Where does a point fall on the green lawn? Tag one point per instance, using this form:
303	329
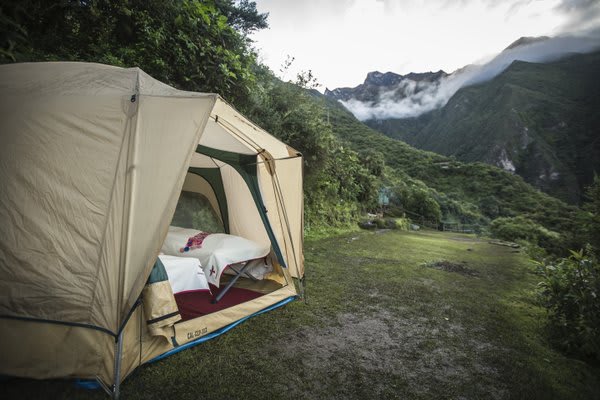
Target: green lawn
380	323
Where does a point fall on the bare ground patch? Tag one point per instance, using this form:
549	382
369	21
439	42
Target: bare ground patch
382	355
448	266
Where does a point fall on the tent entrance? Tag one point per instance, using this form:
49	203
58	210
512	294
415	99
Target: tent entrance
197	304
203	211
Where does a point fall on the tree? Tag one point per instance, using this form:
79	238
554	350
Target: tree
190	44
243	16
373	160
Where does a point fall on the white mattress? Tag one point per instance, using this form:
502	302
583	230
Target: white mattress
218	251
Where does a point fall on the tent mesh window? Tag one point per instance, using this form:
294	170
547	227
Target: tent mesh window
194	211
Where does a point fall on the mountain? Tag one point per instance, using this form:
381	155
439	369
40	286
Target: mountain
378	84
525	40
465	191
389	95
540	121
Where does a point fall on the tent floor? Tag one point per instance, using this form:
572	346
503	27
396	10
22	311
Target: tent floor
196	304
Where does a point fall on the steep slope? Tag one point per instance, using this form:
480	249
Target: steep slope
488	189
541	121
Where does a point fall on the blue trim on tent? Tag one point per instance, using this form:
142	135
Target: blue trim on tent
91	384
87	384
221	331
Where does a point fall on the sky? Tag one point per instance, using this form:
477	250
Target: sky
342	40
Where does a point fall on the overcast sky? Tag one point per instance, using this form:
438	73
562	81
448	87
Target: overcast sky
342	40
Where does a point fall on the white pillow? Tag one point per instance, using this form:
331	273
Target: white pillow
176	240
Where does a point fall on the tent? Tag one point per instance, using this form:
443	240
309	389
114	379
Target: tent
93	160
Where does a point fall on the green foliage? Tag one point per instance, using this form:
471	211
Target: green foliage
420	201
242	15
417	200
189	44
591	218
571	291
521	228
12	35
386	223
403	224
373	161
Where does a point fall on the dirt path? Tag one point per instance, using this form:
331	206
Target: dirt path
391	354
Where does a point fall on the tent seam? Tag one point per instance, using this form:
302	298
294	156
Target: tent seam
245	120
127	200
111	199
231	128
64	323
287	222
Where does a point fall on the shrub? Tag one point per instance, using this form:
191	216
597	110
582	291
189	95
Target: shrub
521	228
415	198
571	291
403	224
385	223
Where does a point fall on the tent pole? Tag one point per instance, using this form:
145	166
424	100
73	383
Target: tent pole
223	291
118	355
104	386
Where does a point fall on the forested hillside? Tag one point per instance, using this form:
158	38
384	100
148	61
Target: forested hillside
467	192
540	121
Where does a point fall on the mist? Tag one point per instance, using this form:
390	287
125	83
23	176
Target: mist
410	99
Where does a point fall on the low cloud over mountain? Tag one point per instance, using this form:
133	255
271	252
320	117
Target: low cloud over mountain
389	95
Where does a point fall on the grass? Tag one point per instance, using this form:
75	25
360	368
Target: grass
380	323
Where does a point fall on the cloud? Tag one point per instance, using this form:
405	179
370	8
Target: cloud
582	14
341	40
408	99
411	99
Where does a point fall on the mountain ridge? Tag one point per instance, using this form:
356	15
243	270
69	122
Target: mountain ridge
370	89
535	119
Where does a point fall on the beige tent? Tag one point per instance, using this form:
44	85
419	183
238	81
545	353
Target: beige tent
93	159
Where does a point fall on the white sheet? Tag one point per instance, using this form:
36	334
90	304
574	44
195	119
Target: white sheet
185	274
218	251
